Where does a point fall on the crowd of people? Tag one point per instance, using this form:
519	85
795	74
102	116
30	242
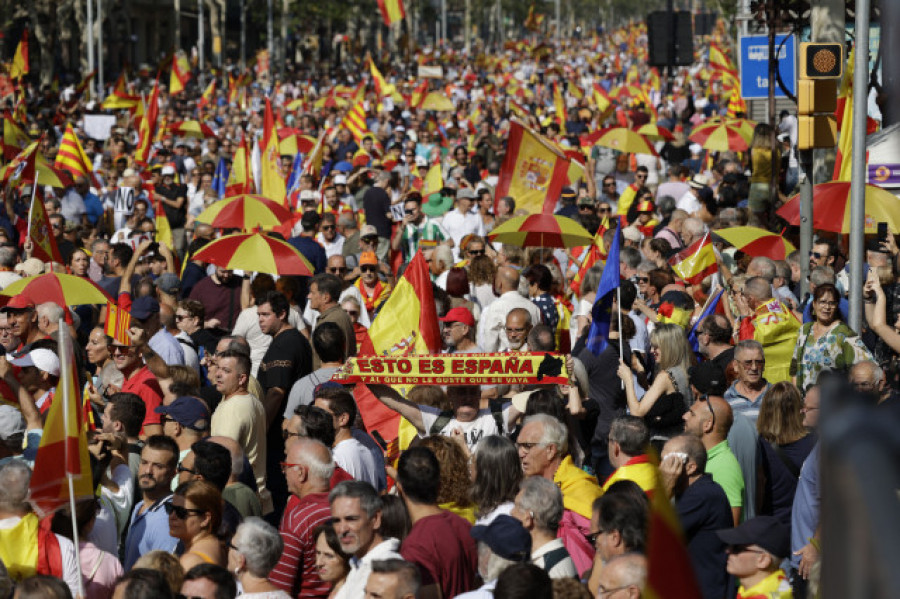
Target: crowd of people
225	460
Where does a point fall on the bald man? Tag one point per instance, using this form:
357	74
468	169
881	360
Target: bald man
492	327
709	419
624	575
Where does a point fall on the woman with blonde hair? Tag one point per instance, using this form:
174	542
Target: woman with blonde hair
669	395
165	563
453	493
784	444
195	514
765	159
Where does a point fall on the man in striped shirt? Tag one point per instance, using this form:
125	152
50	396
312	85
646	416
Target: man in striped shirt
417	231
307	468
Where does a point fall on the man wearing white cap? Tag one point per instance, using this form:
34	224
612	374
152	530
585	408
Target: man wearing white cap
38	376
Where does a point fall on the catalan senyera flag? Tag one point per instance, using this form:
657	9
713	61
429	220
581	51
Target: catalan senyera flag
391	11
670	574
533	171
14	139
271	181
118	321
71	156
406	324
208	96
63	451
43	242
695	262
147	127
355	121
181	73
19	67
736	104
844	115
718	59
240	179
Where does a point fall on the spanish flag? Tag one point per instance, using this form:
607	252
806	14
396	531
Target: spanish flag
382	87
533	171
63	454
19	66
559	105
406	324
844	114
208	96
434	181
695	262
147	128
271	180
30	165
14	139
240	179
42	240
181	73
391	11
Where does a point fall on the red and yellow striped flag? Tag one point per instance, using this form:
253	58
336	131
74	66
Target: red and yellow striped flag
271	181
19	67
71	156
695	262
118	321
355	121
63	452
391	11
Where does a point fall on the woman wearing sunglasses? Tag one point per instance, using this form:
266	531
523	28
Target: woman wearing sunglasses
195	513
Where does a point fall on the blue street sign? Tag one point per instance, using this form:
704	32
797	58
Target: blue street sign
754	58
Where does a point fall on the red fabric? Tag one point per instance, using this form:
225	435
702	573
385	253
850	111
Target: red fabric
339	476
445	552
144	384
296	571
364	345
49	553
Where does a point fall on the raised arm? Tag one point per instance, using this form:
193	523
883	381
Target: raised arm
392	399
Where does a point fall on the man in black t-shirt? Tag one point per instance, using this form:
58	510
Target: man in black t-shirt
173	198
288	359
377	206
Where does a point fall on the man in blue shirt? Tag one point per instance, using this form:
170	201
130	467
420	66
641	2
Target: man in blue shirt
149	529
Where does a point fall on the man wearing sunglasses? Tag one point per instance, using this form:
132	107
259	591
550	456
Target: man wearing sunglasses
709	419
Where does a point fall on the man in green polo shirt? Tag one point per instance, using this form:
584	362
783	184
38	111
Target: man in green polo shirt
710	419
417	230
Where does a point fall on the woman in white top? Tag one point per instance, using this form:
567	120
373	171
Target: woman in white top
254	550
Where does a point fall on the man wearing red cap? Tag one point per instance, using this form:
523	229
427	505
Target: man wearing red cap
23	318
458	332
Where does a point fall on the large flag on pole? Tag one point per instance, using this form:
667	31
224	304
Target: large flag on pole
181	73
239	179
695	262
20	66
208	95
28	165
601	312
534	171
147	127
63	454
71	156
42	240
271	180
14	139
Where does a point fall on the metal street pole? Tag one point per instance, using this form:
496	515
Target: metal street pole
177	24
806	218
282	59
200	41
858	165
89	40
243	35
444	21
270	33
100	81
557	23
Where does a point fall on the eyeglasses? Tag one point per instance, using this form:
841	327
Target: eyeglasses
337	269
604	210
286	465
475	252
288	434
585	207
705	398
610	184
327	227
642	279
735	549
120	349
816	255
180	467
368	268
526	447
592	537
181	512
179	317
352	313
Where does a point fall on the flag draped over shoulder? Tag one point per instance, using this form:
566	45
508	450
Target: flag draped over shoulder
601	312
271	180
533	171
20	66
391	11
63	450
695	262
406	324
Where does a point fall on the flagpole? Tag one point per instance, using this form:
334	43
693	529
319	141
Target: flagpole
37	175
64	366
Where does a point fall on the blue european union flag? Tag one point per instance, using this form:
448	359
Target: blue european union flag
710	309
220	179
601	313
293	182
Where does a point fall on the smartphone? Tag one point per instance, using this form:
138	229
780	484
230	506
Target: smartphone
882	231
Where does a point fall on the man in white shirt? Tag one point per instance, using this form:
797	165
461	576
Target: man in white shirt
328	236
690	201
492	327
349	453
462	221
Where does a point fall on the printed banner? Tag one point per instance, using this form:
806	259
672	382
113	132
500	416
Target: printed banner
456	369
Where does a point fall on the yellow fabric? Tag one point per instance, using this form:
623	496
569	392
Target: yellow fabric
776	329
466	512
579	489
645	475
773	586
626	199
19	548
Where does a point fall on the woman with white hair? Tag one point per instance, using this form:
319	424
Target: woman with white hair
254	550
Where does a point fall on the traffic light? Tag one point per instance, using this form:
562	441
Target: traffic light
821	65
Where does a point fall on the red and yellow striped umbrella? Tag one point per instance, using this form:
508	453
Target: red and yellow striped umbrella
721	136
191	129
832	208
542	230
62	289
622	139
246	212
757	242
255	252
655	132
